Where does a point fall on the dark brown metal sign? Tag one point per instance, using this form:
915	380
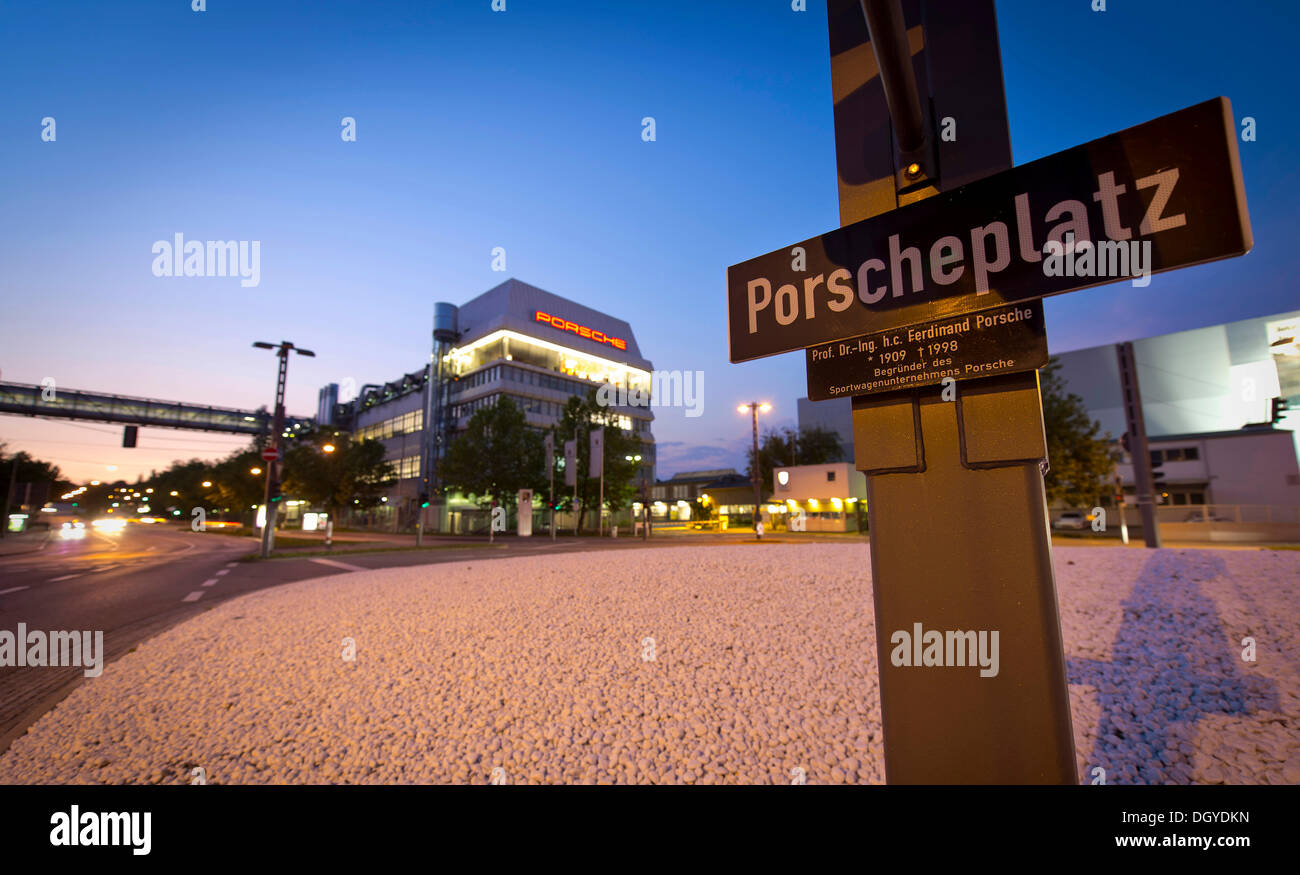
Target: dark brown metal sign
1162	195
981	344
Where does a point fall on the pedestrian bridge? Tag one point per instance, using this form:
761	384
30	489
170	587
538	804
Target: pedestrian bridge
24	399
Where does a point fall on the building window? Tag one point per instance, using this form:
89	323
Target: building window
830	476
405	468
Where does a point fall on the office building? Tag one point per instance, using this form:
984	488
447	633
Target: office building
516	340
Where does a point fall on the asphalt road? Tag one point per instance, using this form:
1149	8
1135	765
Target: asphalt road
133	584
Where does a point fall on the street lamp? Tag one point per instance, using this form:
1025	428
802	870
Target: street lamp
254	471
277	428
328	448
754	408
207	484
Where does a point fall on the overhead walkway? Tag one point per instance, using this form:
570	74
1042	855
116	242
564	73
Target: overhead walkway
23	399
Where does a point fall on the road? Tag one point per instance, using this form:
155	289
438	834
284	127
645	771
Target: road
133	584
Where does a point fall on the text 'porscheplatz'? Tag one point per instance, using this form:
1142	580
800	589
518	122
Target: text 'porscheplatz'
1174	182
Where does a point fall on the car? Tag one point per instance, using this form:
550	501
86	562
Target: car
1071	519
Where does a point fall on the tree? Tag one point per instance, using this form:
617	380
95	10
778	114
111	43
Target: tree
580	416
47	481
787	447
495	457
31	471
1081	464
234	485
186	480
354	474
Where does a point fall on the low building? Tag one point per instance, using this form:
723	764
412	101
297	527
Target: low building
830	497
686	497
1250	466
1206	391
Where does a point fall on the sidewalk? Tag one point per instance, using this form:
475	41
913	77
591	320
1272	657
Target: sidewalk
26	542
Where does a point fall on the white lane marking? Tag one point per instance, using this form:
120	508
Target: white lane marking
210	582
11	589
150	549
223	571
64	577
104	568
194	596
335	564
232	564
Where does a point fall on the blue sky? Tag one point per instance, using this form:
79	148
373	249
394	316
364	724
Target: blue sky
520	129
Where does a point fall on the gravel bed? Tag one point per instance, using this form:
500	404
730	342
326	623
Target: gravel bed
762	669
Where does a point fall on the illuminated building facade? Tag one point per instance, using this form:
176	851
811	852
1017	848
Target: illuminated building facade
516	340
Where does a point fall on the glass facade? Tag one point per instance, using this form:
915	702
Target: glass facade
584	368
397	425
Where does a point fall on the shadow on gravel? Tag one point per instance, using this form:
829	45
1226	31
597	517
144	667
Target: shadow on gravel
1171	666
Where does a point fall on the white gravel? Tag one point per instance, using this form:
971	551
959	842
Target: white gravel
764	665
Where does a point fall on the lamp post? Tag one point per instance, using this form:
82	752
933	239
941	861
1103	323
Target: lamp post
754	408
637	458
277	426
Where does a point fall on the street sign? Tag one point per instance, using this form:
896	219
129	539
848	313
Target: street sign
271	454
1001	341
1161	195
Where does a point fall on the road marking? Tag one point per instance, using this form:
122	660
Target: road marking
194	596
343	565
232	564
64	577
223	571
104	568
150	549
12	589
210	582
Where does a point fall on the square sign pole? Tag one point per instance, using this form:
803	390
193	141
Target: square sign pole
939	264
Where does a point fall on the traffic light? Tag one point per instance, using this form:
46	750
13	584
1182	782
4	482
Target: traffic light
424	499
1278	409
1157	476
275	491
129	435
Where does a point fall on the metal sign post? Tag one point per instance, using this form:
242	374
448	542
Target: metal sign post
940	234
1136	443
939	474
571	474
548	448
596	467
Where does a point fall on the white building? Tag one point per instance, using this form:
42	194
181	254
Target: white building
1206	399
825	497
